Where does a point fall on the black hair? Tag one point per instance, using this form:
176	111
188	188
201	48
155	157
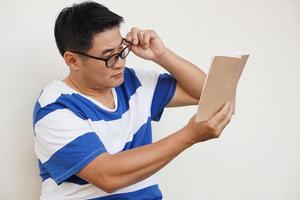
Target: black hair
76	25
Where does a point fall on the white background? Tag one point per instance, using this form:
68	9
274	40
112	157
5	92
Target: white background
258	155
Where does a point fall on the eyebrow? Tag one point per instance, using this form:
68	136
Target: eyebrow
109	50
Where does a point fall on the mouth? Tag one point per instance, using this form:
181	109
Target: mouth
118	75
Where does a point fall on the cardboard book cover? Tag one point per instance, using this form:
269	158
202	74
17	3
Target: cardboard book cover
220	85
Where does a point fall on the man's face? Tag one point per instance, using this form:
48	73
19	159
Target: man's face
94	72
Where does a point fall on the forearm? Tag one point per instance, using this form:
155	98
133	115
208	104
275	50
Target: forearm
190	77
132	166
112	172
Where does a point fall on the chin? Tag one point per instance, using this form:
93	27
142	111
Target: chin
118	82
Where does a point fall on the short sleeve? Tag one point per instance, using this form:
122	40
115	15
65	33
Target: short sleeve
65	143
163	94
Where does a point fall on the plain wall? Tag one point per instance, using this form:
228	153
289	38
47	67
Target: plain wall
257	156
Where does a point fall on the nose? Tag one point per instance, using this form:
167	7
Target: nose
119	64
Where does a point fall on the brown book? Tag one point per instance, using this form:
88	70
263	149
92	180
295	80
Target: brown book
220	85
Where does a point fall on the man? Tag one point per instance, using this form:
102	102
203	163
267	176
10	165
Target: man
93	129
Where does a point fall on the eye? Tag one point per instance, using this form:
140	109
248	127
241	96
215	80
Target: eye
108	54
122	46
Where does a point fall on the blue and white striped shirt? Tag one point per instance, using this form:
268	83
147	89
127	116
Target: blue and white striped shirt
72	129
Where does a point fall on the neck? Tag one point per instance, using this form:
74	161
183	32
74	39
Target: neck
85	90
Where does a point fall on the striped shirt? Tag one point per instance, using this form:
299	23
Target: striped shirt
72	129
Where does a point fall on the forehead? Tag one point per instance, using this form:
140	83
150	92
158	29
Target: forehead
108	39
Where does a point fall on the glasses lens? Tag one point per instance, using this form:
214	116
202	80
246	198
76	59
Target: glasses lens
112	60
125	52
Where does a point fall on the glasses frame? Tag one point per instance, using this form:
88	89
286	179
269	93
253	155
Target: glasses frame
119	54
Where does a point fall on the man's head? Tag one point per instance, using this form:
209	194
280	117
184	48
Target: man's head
92	29
76	26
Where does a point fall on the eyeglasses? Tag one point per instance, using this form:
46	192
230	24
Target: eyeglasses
113	59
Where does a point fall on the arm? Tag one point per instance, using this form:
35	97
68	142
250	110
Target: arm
190	79
189	76
112	172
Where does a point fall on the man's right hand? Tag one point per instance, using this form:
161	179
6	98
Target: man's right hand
210	129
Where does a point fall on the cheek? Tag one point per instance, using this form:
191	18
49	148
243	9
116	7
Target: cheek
97	74
95	69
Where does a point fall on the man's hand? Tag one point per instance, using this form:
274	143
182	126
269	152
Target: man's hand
146	44
210	129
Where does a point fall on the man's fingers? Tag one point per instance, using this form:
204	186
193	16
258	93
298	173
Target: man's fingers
224	123
220	116
134	35
128	37
147	36
140	35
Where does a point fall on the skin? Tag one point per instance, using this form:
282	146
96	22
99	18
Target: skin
91	77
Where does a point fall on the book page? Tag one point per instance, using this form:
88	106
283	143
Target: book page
220	85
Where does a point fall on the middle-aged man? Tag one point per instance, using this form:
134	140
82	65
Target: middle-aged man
93	129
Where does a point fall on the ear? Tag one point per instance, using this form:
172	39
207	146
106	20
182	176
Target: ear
72	60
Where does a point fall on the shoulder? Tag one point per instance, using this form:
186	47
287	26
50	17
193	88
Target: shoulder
144	76
46	102
52	92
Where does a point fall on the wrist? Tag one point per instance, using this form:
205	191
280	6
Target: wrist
160	58
184	137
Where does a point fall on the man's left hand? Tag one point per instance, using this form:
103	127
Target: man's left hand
146	44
